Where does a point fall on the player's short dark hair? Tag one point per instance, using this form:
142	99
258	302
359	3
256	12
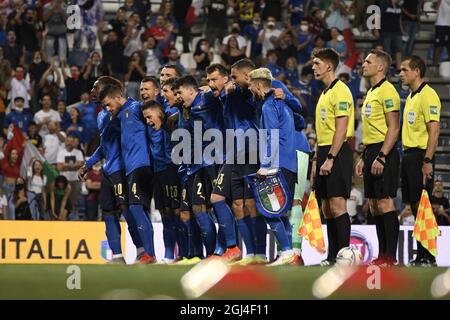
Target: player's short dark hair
328	55
151	79
244	64
108	91
416	62
217	67
169	82
383	55
187	81
100	84
172	66
153	104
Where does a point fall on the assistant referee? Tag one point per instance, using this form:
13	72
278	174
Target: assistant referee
420	133
379	165
333	166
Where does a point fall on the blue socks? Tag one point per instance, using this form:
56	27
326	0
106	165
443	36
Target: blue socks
144	227
113	232
260	232
247	235
169	236
132	229
288	228
277	227
181	235
208	231
197	248
221	242
226	221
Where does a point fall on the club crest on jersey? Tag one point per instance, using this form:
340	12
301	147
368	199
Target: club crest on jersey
411	117
271	193
368	110
323	113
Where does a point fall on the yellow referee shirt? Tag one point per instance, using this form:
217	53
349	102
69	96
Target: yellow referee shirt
336	101
422	106
382	98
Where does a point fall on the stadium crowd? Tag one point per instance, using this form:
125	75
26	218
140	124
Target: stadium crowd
47	72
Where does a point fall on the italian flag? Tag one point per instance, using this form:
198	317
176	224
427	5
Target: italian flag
31	152
272	200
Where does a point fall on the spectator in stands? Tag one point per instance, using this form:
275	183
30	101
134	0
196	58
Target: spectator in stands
160	32
18	115
91	20
75	84
232	53
44	116
246	10
406	216
68	161
180	12
152	56
77	128
440	204
442	30
391	29
234	32
137	70
19	86
316	22
10	170
306	97
60	192
27	27
174	60
272	8
12	51
291	73
113	56
336	16
88	111
410	20
37	182
130	8
52	142
132	40
286	47
268	37
305	43
22	209
93	185
272	64
296	11
36	69
50	82
203	55
34	137
5	69
119	24
65	117
251	32
55	20
337	43
216	23
3	206
93	69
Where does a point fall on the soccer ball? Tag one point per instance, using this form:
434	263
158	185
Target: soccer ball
349	256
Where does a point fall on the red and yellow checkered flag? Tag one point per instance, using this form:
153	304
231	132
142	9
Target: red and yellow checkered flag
311	226
426	229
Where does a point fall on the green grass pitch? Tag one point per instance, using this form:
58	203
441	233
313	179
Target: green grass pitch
163	282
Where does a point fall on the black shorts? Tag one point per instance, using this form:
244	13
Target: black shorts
166	188
140	183
384	186
231	182
412	178
442	36
185	196
113	191
339	182
202	183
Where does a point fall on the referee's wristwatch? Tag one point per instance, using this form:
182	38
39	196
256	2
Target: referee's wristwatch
381	154
426	160
331	156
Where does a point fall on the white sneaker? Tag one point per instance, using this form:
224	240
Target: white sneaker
284	259
117	260
166	261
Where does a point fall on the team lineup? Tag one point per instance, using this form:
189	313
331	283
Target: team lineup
194	193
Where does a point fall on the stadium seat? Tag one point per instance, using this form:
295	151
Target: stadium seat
187	60
444	69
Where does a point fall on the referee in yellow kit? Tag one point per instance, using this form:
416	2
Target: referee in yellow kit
379	165
332	170
420	133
